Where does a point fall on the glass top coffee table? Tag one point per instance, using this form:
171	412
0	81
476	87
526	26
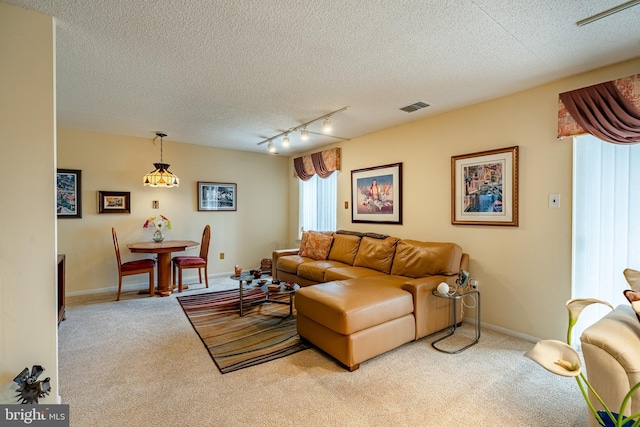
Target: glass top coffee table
243	278
281	290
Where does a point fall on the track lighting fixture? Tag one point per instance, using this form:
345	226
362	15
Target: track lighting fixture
304	132
326	125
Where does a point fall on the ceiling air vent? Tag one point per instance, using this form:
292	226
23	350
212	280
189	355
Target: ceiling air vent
414	107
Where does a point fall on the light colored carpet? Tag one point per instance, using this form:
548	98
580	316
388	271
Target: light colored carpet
138	362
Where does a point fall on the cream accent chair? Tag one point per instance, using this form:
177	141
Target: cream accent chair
611	350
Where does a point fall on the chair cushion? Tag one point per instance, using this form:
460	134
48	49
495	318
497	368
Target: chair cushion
188	260
138	265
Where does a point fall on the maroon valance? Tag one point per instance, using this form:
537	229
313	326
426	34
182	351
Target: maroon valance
609	111
323	163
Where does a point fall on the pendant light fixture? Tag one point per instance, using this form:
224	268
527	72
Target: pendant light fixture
161	176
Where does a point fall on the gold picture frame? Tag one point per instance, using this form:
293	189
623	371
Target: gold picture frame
484	188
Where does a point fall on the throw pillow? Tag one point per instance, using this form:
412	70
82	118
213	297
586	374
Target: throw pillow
634	299
303	244
318	245
633	278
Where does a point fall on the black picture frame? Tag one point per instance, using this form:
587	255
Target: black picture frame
110	202
69	193
217	196
376	194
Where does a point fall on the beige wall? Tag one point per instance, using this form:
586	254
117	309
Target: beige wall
524	272
28	315
117	163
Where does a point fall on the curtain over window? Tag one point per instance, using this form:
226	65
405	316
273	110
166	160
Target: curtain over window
323	164
610	111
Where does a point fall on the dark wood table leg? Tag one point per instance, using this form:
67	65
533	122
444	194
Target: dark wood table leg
164	273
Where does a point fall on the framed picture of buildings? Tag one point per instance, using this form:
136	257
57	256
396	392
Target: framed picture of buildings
376	194
217	196
484	188
69	193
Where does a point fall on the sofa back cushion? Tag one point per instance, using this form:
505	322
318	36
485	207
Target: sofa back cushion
421	259
317	245
344	248
376	254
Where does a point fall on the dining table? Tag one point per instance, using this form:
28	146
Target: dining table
163	250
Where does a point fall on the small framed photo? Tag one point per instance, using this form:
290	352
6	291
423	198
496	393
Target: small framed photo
217	196
69	193
114	202
376	194
484	188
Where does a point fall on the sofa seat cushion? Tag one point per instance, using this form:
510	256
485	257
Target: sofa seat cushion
290	263
349	272
314	270
347	309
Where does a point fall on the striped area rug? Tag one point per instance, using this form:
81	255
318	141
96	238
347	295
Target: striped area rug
265	332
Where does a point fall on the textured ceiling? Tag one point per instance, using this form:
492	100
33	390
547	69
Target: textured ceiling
232	73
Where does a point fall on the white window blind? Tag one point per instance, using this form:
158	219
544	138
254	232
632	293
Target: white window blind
606	223
318	199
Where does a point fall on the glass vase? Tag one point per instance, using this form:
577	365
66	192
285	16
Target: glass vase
158	236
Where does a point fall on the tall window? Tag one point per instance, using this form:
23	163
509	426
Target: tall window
606	222
318	199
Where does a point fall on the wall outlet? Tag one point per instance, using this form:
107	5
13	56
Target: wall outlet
221	255
475	284
554	200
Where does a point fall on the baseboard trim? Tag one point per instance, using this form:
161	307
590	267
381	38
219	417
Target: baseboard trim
136	286
502	330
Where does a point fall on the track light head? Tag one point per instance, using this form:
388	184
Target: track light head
271	147
326	125
304	134
285	141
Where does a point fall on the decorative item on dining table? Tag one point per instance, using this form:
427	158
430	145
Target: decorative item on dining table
237	270
158	224
562	359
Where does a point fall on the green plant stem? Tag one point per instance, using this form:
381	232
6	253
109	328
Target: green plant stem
572	323
586	398
626	400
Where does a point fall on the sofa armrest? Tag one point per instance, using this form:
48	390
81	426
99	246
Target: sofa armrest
432	313
277	254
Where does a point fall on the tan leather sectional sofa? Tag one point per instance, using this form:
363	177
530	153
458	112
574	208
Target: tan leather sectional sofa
370	293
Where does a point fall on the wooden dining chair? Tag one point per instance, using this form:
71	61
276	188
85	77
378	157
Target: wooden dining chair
200	262
141	266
